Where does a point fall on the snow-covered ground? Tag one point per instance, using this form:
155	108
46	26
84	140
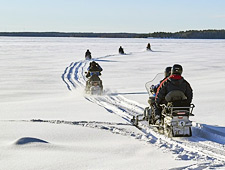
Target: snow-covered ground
47	122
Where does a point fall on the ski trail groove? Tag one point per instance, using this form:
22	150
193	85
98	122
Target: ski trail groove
108	126
73	75
65	77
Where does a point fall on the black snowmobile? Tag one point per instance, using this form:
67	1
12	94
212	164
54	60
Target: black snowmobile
88	55
148	48
175	114
94	84
121	51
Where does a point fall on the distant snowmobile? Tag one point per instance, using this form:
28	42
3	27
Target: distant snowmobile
175	114
94	84
148	47
88	55
121	51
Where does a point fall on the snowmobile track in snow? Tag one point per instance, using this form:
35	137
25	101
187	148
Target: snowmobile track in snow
206	145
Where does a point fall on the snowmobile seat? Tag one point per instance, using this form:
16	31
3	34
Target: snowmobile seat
175	95
94	77
177	102
177	98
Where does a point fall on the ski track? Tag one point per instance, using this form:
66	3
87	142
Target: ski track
206	144
71	77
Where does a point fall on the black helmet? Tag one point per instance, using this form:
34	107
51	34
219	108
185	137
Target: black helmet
167	71
177	69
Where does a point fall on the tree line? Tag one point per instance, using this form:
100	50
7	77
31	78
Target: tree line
78	34
190	34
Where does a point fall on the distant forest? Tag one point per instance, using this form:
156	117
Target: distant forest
190	34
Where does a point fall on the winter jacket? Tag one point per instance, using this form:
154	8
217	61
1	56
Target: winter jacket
173	82
88	53
155	87
121	50
95	67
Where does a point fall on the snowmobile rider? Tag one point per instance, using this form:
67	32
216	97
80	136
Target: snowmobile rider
148	46
94	67
153	90
88	54
121	51
167	73
174	82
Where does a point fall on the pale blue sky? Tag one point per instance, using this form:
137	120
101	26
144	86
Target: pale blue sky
140	16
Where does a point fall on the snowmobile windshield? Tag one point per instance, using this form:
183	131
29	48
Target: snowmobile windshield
154	82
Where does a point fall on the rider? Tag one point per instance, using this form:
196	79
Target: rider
121	51
167	73
88	54
153	90
174	82
94	67
94	71
148	46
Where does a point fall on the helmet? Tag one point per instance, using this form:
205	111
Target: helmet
177	69
167	71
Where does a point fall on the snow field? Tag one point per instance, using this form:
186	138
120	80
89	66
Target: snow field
42	98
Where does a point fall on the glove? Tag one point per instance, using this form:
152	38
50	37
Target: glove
152	88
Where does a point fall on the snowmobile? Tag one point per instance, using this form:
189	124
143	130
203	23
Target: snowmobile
88	56
175	114
121	51
94	84
148	48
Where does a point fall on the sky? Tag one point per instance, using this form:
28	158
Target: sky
133	16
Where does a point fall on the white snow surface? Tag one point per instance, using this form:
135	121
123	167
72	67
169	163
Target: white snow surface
48	123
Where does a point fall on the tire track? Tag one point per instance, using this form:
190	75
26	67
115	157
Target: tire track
65	77
73	75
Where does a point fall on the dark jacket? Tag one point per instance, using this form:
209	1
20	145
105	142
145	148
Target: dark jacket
121	50
173	82
88	53
95	67
155	87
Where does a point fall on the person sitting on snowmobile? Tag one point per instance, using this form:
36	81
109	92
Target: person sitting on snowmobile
148	46
153	90
88	54
121	51
167	73
94	67
174	82
94	71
